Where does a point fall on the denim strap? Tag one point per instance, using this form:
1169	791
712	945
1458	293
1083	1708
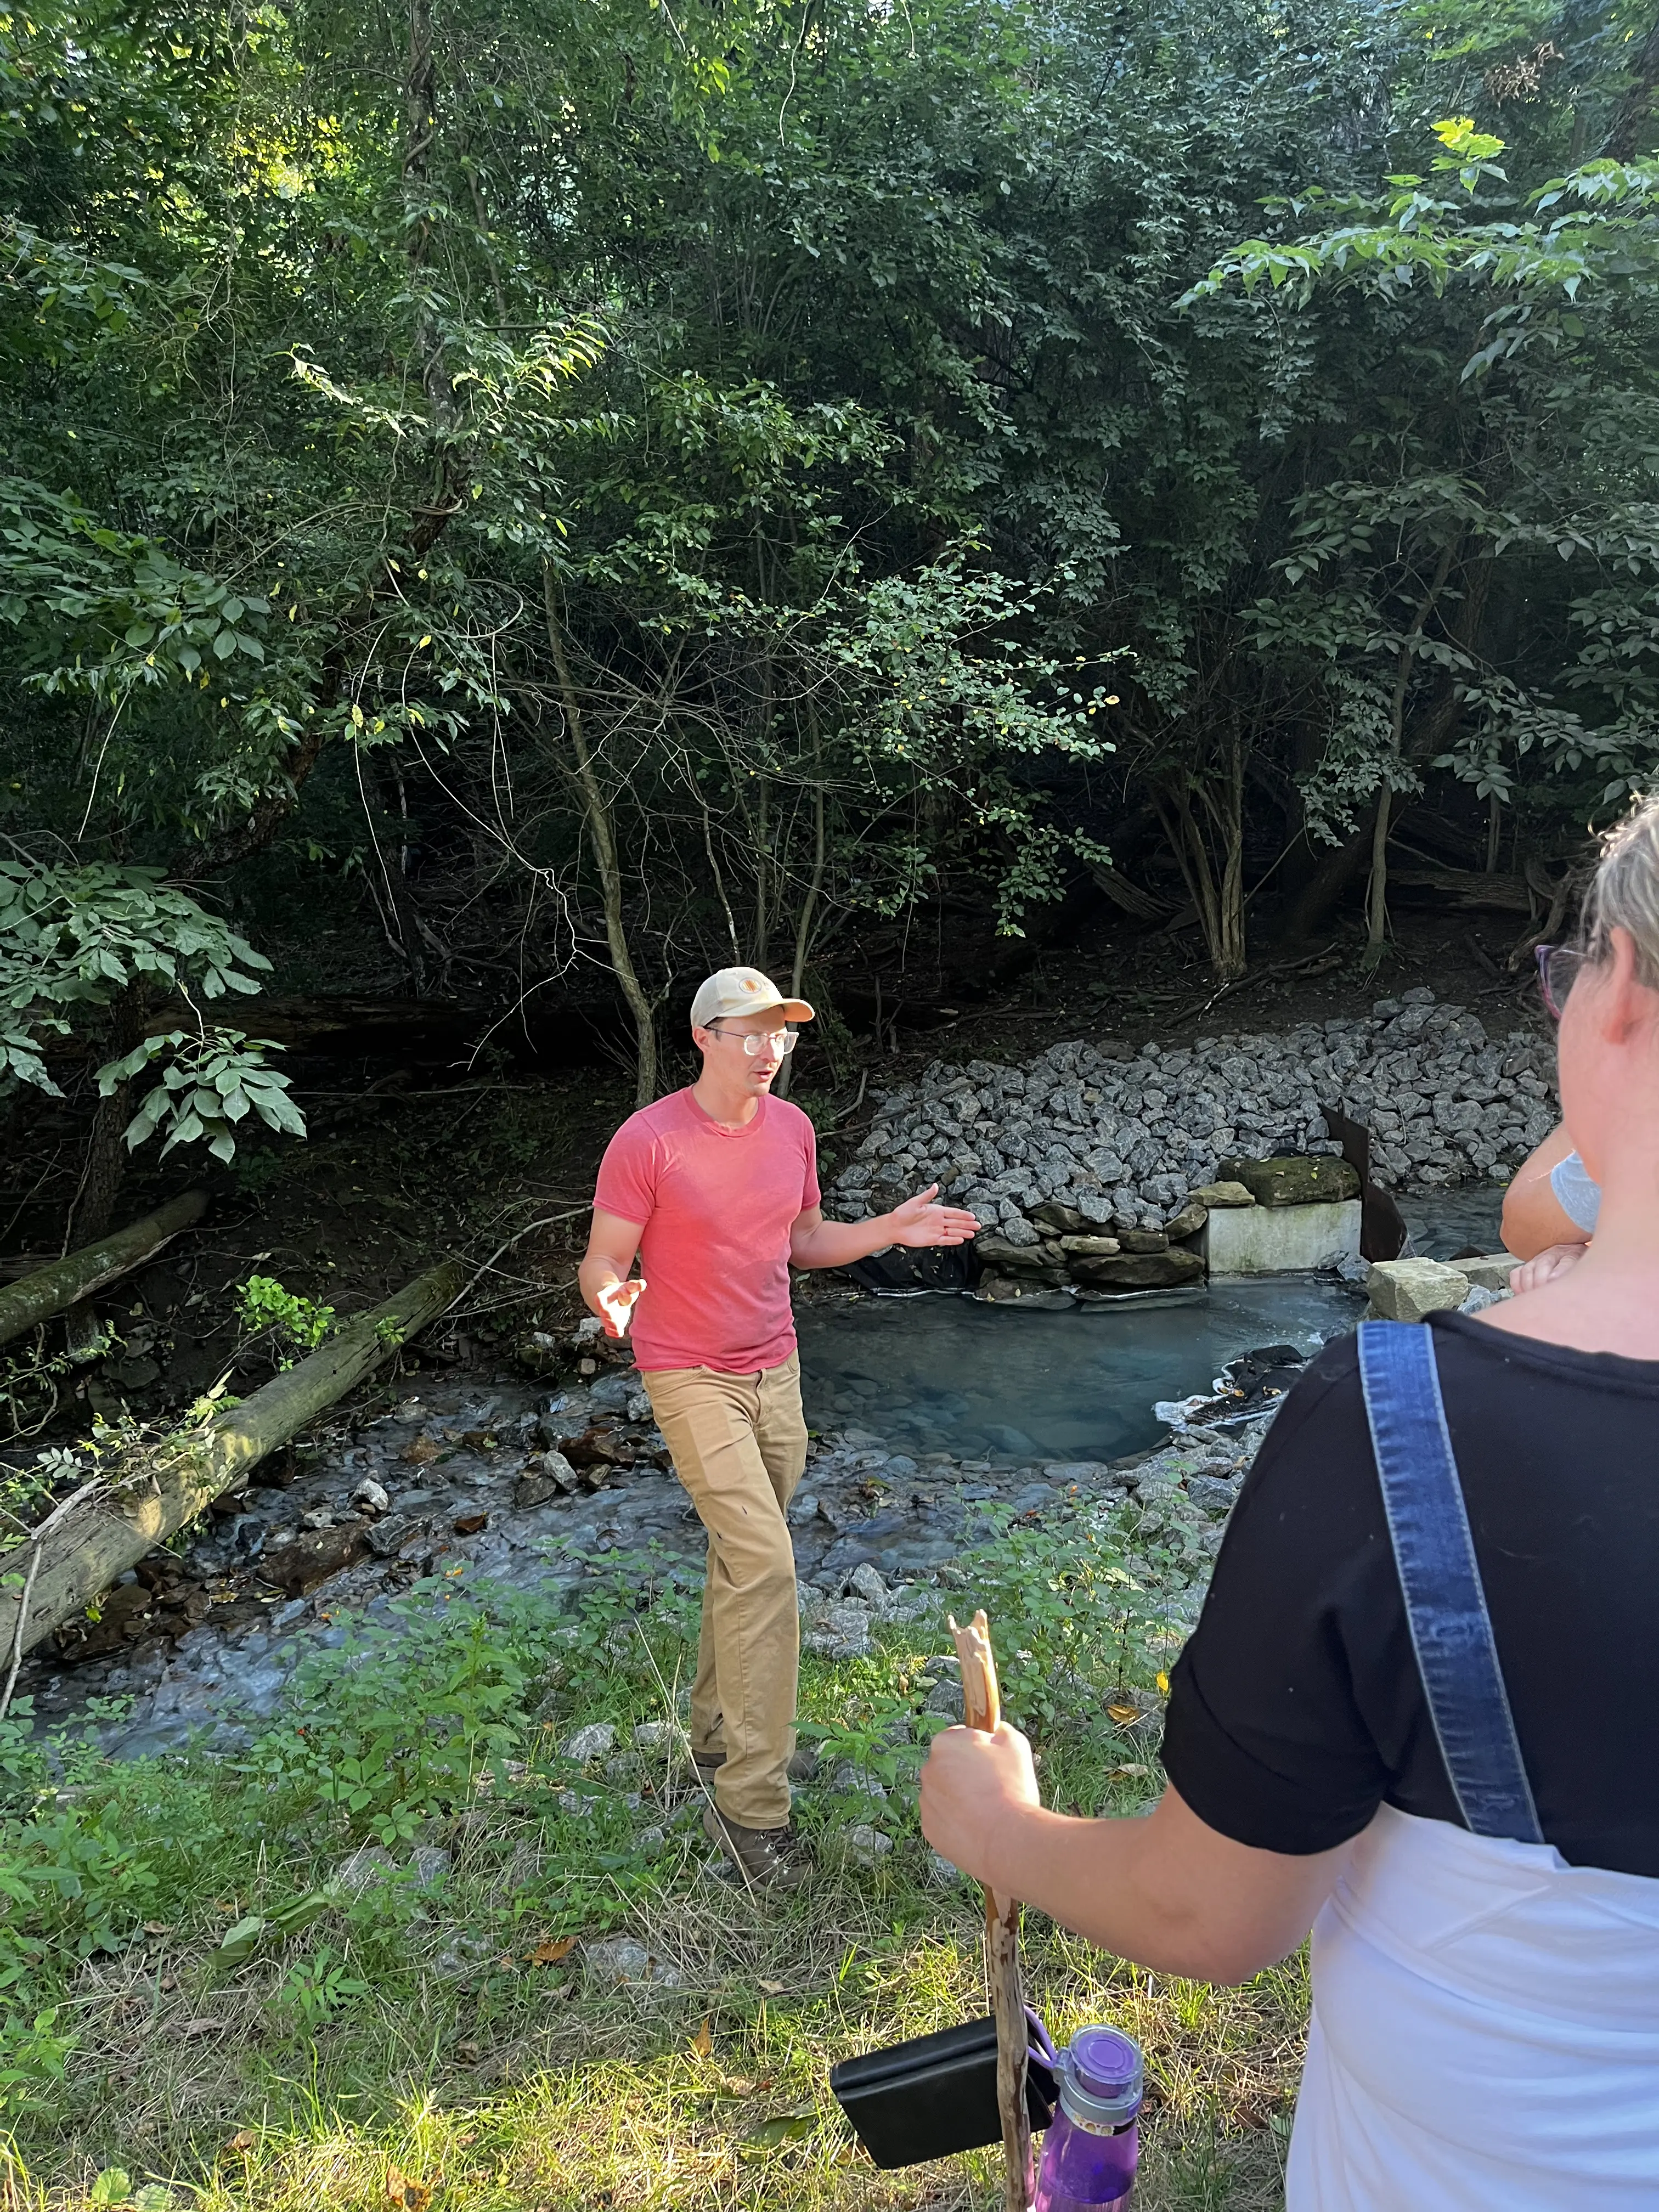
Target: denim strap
1446	1604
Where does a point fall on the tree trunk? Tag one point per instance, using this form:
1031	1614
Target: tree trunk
1318	898
93	1207
809	904
115	1522
1376	896
1219	895
602	836
50	1290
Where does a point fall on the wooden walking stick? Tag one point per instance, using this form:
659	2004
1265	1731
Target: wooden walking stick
982	1708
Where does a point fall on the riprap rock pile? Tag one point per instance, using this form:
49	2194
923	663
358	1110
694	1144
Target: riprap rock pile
1121	1138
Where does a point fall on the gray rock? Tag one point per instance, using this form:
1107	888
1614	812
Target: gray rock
366	1866
1213	1493
386	1538
654	1736
866	1583
590	1742
429	1863
371	1496
547	1476
460	1956
864	1845
617	1961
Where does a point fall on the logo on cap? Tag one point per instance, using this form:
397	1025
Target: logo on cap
750	984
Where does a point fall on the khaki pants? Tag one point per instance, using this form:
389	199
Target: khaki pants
739	1447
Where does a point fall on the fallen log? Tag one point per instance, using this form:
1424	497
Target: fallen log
73	1559
1465	889
64	1282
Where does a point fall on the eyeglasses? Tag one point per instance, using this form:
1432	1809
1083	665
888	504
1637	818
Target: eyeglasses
1558	967
782	1040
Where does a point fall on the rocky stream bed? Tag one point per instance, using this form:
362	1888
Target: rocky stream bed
514	1486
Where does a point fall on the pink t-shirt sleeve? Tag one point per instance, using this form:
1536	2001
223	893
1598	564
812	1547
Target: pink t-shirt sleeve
811	1195
628	1175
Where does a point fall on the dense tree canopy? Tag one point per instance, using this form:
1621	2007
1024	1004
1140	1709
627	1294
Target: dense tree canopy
496	501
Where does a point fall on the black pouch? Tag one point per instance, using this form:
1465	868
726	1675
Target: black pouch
938	2093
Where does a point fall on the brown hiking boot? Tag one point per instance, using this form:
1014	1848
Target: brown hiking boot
770	1858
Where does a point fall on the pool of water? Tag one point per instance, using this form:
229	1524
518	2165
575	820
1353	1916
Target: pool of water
946	1374
1447	1221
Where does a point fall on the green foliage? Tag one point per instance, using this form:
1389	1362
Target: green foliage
74	938
603	476
295	1323
212	1081
1081	1616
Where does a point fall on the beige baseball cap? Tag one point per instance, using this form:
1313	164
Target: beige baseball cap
743	991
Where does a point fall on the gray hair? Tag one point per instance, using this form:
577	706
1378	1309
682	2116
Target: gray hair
1624	893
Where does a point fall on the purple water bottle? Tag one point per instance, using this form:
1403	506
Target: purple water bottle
1093	2143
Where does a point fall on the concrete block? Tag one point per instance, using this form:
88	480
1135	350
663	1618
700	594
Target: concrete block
1491	1273
1410	1290
1277	1240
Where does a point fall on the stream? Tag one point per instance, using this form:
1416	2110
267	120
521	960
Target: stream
929	1412
939	1372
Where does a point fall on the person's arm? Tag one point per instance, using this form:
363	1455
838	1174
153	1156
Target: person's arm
816	1242
1535	1219
1168	1891
611	1244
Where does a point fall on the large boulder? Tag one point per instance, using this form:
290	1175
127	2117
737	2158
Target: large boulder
1140	1271
1411	1290
1293	1179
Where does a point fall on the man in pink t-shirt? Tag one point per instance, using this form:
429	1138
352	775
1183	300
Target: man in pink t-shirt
716	1188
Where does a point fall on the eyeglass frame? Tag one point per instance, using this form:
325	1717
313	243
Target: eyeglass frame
752	1040
1545	956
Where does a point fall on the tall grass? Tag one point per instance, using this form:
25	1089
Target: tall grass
393	2046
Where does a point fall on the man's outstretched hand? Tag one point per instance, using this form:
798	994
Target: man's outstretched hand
920	1222
616	1302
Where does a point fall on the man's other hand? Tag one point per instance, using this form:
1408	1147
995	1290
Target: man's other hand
616	1303
920	1222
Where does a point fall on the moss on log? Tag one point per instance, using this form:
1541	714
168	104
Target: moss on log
115	1522
53	1289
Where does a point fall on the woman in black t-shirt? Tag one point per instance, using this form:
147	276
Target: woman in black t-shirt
1420	1711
